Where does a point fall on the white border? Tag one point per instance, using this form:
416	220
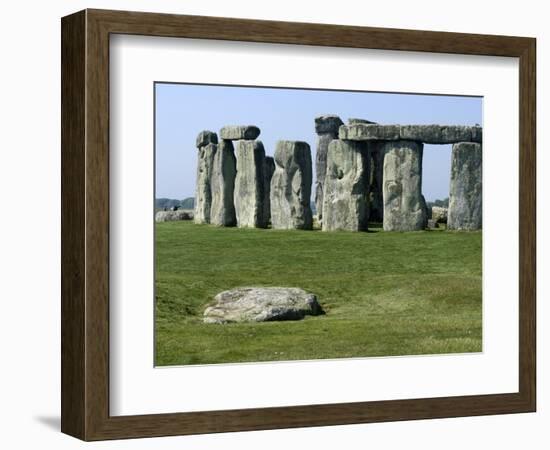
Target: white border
136	387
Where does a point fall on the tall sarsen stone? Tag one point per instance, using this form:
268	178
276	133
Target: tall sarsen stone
326	128
376	196
249	195
404	208
269	169
291	186
465	196
203	192
345	198
223	186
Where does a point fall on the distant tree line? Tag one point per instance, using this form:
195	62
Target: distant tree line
169	203
189	203
443	203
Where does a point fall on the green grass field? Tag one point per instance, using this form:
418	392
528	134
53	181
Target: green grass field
383	293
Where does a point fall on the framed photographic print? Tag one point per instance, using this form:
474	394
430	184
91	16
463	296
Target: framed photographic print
272	225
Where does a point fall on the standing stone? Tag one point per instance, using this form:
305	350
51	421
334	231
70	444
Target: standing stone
269	169
465	196
426	209
326	128
291	186
203	192
404	208
345	200
206	137
223	186
376	208
249	196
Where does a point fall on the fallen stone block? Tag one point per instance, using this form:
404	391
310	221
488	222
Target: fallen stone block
261	304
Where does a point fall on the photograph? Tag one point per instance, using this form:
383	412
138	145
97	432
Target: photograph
309	224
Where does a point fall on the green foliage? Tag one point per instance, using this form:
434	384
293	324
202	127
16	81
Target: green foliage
188	203
384	293
166	203
443	203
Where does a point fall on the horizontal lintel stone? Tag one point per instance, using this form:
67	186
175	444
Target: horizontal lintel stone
429	134
369	132
354	121
239	132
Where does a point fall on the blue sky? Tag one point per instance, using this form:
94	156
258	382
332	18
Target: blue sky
182	111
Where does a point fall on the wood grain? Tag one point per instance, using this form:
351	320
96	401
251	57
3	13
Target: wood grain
85	224
73	226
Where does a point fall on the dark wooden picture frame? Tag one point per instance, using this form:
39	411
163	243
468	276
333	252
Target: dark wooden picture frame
85	224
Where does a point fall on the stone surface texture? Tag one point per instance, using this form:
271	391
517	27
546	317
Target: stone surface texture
222	212
326	128
369	132
170	216
249	195
477	134
376	198
291	186
404	208
436	134
465	196
203	192
353	121
346	203
429	134
439	214
239	132
269	169
261	304
206	137
323	141
328	123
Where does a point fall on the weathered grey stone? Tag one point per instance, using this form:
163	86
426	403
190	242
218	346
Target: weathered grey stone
436	134
249	193
203	194
291	186
269	169
323	140
353	121
170	216
376	198
224	171
432	224
439	214
429	134
329	123
465	196
206	137
261	304
404	209
238	132
369	132
345	202
326	128
426	210
477	134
